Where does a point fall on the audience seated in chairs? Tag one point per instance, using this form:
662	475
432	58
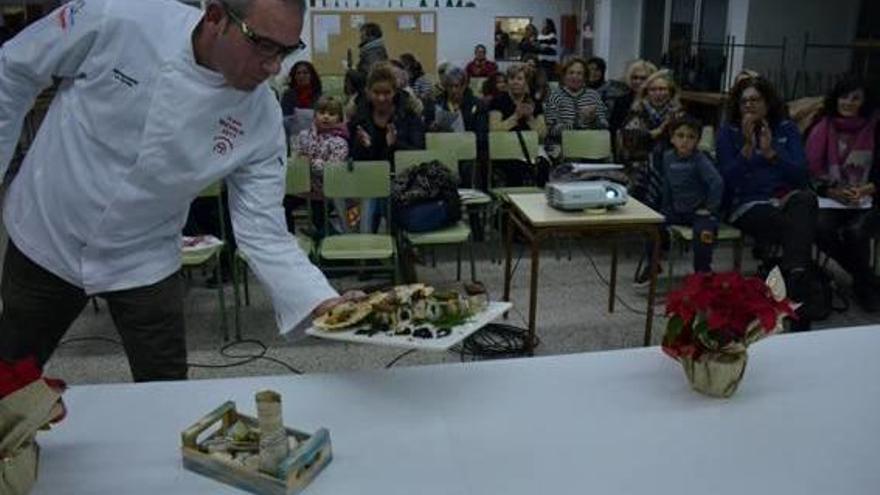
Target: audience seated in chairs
414	103
480	66
326	142
493	86
458	110
843	151
692	194
636	74
762	160
303	88
644	137
516	110
418	80
573	105
383	124
538	83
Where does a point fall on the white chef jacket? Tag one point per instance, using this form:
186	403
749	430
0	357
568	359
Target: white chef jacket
135	131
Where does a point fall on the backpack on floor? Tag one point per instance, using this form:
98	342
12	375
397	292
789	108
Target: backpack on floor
816	289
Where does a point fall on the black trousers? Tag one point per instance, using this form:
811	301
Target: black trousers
846	235
793	226
39	307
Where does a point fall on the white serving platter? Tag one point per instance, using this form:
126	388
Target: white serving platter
457	334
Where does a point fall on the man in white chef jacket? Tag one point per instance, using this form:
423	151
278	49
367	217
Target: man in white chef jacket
157	101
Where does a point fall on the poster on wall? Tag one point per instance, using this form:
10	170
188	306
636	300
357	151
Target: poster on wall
426	22
406	22
325	26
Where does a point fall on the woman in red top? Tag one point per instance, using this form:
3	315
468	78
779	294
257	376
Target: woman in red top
303	90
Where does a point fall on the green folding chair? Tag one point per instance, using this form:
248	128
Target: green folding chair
586	144
457	234
505	145
359	180
211	257
463	146
682	236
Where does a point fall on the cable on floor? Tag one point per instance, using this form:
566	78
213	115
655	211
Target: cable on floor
657	314
399	357
243	358
495	341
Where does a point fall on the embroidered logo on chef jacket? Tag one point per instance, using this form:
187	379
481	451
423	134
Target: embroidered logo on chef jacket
124	78
67	14
230	130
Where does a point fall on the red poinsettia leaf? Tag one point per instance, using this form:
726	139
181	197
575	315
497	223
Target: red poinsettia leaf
17	375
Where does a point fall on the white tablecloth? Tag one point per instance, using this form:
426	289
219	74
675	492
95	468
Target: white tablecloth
806	420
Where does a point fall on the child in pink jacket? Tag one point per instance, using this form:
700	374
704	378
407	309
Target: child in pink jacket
325	142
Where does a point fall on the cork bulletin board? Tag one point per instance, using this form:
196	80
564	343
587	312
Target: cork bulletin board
335	32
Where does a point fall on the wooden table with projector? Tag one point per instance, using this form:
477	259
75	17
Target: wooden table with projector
536	220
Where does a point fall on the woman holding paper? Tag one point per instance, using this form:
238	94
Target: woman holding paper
842	151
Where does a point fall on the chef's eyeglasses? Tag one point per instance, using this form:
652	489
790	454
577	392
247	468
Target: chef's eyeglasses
265	46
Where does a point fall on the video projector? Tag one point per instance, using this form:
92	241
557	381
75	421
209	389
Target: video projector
581	195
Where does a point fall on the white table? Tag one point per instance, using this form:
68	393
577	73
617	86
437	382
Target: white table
806	420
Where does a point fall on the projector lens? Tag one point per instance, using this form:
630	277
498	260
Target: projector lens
610	193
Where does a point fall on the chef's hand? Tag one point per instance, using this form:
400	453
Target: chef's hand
352	295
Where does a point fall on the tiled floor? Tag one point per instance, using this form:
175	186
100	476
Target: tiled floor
572	317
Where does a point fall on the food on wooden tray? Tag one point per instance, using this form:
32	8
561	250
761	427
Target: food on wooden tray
414	310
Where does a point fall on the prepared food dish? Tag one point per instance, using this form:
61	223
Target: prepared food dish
414	309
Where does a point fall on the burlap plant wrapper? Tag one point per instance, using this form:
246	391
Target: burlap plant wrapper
22	414
715	374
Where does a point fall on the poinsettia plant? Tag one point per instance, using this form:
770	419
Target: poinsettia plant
723	313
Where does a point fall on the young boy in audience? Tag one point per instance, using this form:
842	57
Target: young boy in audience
692	192
325	142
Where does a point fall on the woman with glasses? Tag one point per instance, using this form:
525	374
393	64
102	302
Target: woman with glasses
762	160
636	74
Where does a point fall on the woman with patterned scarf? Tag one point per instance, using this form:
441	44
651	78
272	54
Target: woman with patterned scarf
844	159
643	138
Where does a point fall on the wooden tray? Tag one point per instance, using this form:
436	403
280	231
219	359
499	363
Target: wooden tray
295	473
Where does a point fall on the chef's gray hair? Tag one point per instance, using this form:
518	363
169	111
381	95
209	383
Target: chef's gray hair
241	7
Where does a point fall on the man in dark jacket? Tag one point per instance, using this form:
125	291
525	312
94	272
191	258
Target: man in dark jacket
372	47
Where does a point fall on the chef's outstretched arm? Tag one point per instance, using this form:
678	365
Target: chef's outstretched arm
297	288
53	47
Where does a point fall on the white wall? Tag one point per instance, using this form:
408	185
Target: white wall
737	24
618	33
460	29
827	21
